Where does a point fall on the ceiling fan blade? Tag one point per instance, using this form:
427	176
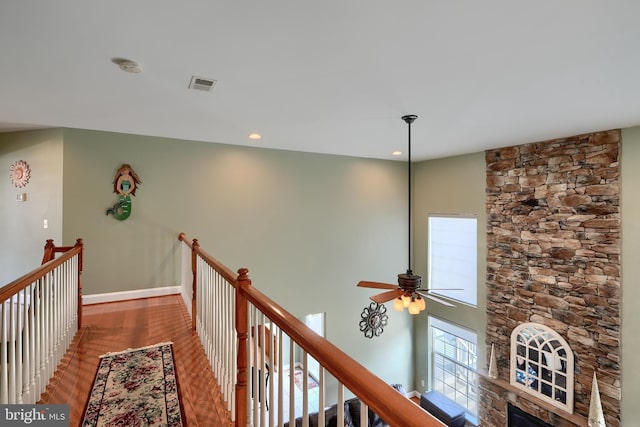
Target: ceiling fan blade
386	296
431	297
376	285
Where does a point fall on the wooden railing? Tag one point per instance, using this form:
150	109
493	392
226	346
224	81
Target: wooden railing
244	332
41	313
213	315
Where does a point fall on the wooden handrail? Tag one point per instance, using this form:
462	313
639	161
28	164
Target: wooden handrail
223	270
379	396
386	402
41	321
20	283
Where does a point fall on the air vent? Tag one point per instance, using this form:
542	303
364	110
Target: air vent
202	83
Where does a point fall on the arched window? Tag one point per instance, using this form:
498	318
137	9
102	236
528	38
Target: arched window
542	364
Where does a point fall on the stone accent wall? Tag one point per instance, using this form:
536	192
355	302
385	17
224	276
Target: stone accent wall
553	257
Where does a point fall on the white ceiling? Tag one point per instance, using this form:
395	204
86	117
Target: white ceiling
331	76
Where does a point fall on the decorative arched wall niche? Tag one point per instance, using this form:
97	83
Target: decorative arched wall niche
542	364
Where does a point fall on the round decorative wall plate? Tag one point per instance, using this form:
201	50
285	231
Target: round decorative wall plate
374	319
19	172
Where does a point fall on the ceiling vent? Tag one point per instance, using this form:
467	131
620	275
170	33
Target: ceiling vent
202	83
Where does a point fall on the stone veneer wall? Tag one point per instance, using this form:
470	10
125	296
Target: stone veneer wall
553	257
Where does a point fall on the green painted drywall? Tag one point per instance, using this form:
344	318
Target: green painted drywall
630	211
308	227
21	223
445	186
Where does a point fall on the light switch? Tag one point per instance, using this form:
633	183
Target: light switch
22	197
45	224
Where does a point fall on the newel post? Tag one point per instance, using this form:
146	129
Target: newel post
80	244
194	272
48	251
242	321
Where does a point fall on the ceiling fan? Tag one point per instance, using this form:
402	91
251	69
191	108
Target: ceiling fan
408	292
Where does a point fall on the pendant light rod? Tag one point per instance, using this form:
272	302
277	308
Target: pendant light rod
409	119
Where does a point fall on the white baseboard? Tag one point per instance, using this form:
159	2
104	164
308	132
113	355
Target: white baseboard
126	295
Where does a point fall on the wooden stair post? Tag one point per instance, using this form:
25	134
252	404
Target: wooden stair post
242	320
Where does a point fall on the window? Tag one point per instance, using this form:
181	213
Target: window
453	363
452	257
542	364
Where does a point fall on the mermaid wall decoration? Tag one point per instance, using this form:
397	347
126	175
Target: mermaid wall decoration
125	184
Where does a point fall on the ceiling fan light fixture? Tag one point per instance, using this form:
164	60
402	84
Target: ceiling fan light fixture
414	306
407	292
406	300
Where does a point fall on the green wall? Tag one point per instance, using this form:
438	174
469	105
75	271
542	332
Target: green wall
307	226
454	185
21	223
630	207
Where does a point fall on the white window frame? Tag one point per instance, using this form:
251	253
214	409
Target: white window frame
549	364
463	386
452	257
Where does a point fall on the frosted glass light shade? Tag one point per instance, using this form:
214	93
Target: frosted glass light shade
406	299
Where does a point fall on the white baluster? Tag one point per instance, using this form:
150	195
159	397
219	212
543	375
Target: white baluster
269	370
234	352
4	363
230	342
213	316
225	349
321	396
12	351
37	336
280	364
364	414
55	305
31	340
340	404
305	390
17	367
64	299
48	329
292	385
260	368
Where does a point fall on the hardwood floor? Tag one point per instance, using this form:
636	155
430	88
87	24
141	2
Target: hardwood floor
132	324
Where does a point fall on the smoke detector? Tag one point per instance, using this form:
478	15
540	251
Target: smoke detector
127	65
202	83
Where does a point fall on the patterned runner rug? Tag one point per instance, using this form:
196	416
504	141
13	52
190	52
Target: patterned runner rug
135	387
298	379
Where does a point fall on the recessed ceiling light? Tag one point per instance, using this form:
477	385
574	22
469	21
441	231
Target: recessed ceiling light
397	153
255	136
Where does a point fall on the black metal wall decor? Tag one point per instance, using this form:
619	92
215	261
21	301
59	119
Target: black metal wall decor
374	319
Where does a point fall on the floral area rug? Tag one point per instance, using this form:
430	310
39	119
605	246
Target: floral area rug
298	379
136	387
